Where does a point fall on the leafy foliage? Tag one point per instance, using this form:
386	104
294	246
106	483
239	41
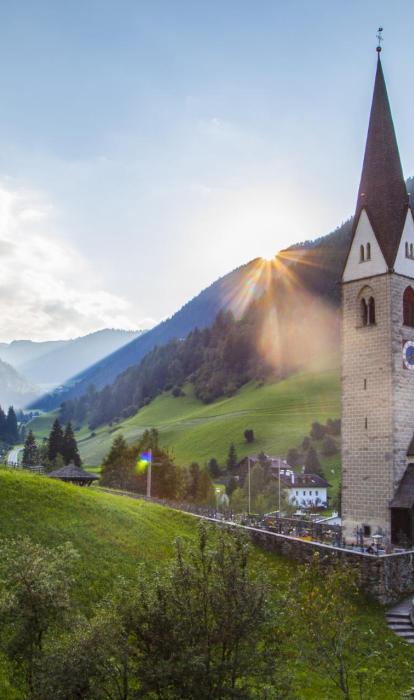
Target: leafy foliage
119	470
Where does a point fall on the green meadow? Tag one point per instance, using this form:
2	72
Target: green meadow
113	534
280	414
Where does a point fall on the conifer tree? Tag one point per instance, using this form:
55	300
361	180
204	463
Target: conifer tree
70	451
12	431
56	445
30	453
312	463
231	462
2	424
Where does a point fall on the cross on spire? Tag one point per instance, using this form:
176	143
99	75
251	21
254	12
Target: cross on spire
380	39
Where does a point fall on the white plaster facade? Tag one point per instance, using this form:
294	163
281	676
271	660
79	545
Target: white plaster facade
404	264
355	267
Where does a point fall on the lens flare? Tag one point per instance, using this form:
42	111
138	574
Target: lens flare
143	462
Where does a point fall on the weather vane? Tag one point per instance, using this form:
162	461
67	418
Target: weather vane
380	39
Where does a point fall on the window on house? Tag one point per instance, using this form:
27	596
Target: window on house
310	493
361	253
316	493
407	250
368	251
367	530
411	250
408	307
366	423
365	383
304	493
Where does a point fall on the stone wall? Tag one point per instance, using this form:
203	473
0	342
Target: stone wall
386	579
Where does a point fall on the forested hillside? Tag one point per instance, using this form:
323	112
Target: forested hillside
311	267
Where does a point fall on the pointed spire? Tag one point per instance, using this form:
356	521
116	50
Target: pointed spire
382	192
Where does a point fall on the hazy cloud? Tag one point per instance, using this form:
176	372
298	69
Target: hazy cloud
47	289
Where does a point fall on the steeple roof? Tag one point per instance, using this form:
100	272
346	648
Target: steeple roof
382	191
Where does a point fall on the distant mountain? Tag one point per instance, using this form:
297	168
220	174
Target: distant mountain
315	265
18	352
73	356
15	390
51	363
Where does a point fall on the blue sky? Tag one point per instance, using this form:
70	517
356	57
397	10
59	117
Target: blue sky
147	148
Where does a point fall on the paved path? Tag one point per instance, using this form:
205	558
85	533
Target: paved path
13	456
398	619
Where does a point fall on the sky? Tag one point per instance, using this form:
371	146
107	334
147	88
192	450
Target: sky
148	147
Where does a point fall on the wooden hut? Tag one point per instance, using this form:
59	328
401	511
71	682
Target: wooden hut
74	475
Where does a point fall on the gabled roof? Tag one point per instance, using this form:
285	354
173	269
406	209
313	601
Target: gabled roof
309	480
72	473
404	496
382	190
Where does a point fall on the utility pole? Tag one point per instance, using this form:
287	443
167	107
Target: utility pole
149	473
279	486
248	481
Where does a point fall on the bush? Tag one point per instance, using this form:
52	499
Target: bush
333	426
293	457
317	431
249	435
329	447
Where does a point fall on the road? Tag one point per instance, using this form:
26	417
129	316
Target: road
13	456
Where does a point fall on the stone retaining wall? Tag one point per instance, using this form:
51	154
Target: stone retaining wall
386	578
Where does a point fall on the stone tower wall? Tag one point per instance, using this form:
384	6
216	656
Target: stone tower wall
374	457
367	447
403	379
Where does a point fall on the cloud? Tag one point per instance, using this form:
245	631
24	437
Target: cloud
47	288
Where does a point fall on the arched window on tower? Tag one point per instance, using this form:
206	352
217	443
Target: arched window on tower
366	309
371	311
368	251
407	252
364	312
361	253
408	307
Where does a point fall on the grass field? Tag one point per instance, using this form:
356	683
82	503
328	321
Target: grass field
113	534
280	415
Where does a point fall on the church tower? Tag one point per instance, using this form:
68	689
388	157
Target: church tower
378	342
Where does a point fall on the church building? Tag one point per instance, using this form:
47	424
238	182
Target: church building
378	342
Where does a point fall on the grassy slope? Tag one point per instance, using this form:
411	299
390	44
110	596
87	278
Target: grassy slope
113	534
280	415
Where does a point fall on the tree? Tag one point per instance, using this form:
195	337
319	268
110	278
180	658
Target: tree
231	462
333	426
56	443
213	468
249	435
3	425
90	661
35	601
70	447
225	644
293	457
329	447
317	431
331	633
306	443
312	463
30	452
12	431
231	486
118	465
